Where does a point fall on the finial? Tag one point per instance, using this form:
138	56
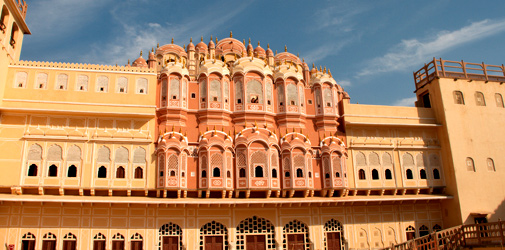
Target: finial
287	132
231	34
116	64
172	40
249	41
329	72
191	39
275	52
313	65
141	53
158	46
258	43
152	50
320	68
243	41
297	54
201	39
173	128
184	46
285	48
268	46
211	38
216	39
303	59
324	69
128	61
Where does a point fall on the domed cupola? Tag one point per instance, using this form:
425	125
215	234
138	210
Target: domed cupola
211	45
191	46
201	47
140	62
269	51
259	52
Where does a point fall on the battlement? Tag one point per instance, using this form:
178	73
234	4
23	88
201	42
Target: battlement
82	66
438	68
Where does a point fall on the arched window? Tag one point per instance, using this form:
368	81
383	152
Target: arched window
423	230
82	83
479	99
102	84
141	86
53	171
164	90
49	241
470	165
299	172
122	85
174	89
422	174
257	231
72	171
215	92
436	174
292	93
122	155
238	92
170	236
327	175
287	174
499	100
228	174
99	242
490	165
21	78
274	173
102	172
241	173
41	82
333	235
139	173
254	92
216	172
120	172
32	170
409	174
375	174
296	236
103	155
172	173
437	228
410	232
458	97
213	235
28	242
361	174
69	242
204	173
258	171
337	174
118	242
388	174
62	82
136	242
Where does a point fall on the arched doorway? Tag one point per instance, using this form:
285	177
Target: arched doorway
170	237
213	236
255	233
333	235
296	236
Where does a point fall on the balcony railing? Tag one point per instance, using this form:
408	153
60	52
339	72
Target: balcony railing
475	235
438	68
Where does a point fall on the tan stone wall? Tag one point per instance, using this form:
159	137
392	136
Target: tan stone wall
364	226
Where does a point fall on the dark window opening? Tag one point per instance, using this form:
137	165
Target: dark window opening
281	104
299	172
274	173
310	174
204	173
139	173
61	86
141	91
101	89
361	174
410	176
228	174
423	230
287	174
32	170
20	85
161	173
81	88
241	173
309	101
422	174
53	171
28	244
41	86
258	171
388	174
121	90
102	172
120	172
193	95
268	102
216	172
72	171
293	103
226	100
436	174
215	98
172	173
327	175
239	101
426	101
375	174
337	174
203	99
328	104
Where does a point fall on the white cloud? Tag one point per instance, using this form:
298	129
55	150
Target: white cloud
409	101
136	36
413	52
323	51
344	83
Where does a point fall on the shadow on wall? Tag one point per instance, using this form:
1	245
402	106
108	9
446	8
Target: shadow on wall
499	213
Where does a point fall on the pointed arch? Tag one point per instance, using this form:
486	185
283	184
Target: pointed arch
255	226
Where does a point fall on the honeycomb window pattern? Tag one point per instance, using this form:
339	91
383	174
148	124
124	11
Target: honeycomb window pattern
255	225
295	227
170	229
213	229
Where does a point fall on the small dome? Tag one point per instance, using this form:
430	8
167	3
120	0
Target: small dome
172	48
191	46
201	47
230	45
269	51
211	44
151	55
259	51
139	62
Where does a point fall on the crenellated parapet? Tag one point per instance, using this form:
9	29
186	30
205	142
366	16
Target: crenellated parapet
81	66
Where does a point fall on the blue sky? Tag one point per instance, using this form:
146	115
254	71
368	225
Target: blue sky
371	47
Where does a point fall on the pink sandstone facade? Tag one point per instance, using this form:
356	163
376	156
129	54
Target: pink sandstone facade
222	145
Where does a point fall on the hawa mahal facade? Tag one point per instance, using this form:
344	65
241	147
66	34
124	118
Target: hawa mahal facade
226	145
